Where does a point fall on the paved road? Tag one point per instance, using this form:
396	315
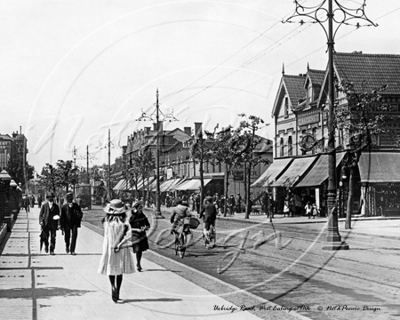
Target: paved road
286	264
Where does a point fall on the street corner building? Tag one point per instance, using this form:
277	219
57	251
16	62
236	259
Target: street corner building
300	112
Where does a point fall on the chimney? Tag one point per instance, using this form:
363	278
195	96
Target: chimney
188	130
198	130
20	129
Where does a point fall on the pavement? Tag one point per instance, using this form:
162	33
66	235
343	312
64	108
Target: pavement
378	226
35	285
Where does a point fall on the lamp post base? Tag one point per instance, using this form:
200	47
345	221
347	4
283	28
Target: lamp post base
336	245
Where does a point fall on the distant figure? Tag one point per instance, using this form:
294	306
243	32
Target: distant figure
139	224
49	219
239	203
117	258
231	203
32	200
71	217
308	208
27	203
40	200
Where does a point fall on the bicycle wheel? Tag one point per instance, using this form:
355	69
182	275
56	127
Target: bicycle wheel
177	245
182	245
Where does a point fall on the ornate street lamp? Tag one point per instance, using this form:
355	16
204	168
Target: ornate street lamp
341	15
157	117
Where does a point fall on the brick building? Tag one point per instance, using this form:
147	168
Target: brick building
301	131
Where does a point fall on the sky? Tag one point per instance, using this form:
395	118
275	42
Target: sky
73	69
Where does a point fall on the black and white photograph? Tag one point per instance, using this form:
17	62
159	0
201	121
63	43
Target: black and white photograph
199	159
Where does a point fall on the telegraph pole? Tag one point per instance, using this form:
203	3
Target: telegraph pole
87	164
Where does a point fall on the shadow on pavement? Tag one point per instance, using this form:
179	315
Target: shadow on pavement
152	300
40	293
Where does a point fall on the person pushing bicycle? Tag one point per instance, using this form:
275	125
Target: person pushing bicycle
209	215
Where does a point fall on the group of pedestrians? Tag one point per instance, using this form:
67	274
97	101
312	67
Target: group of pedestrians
51	219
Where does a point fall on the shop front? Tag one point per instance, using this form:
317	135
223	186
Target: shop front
313	186
380	183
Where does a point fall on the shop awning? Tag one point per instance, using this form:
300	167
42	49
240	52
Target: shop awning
144	183
192	185
295	171
379	167
119	185
167	185
320	171
269	175
153	185
178	184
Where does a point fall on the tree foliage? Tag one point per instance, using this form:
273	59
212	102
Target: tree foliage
361	120
62	176
15	169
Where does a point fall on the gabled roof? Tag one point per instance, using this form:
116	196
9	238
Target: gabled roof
375	69
294	87
5	137
316	76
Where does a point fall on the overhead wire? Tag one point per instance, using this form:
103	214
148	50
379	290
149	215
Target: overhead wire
294	62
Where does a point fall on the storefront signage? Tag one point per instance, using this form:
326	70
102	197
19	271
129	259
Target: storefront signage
312	118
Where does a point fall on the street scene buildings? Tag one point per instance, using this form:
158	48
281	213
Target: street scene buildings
192	160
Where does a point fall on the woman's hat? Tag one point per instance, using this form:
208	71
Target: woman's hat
115	206
185	203
137	204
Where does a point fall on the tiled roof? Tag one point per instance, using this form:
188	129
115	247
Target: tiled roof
375	69
5	137
295	87
316	76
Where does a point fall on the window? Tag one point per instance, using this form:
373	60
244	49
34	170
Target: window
310	93
286	107
282	146
290	146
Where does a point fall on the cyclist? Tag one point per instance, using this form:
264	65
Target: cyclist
180	212
209	215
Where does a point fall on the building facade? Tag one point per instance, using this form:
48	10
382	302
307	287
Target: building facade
301	130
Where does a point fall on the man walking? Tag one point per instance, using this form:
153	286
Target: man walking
71	217
49	218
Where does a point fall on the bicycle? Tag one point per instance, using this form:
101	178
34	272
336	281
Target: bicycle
209	238
182	240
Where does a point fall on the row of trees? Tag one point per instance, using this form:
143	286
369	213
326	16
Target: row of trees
234	148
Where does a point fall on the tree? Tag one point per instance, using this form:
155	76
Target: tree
142	165
16	170
358	120
66	174
244	143
220	151
47	178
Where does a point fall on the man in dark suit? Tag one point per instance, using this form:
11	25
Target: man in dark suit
49	219
71	216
